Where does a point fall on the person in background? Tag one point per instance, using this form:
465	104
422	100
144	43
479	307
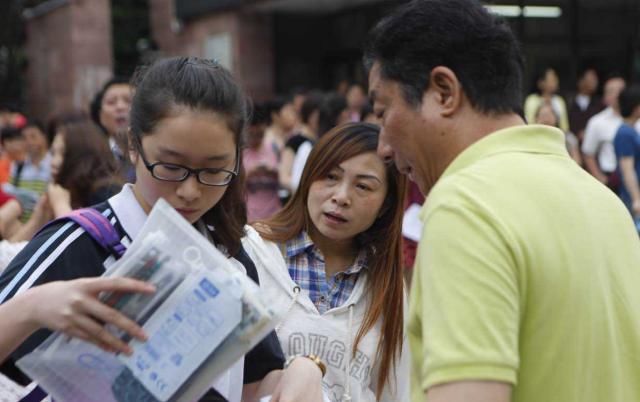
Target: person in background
282	122
29	179
83	169
110	110
356	99
367	114
547	116
544	90
9	123
261	166
333	112
413	199
627	147
305	138
525	282
298	96
585	103
11	117
13	150
342	86
597	144
83	172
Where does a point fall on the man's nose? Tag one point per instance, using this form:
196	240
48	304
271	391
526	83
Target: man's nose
384	151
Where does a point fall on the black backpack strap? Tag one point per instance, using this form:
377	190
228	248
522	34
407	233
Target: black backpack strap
248	264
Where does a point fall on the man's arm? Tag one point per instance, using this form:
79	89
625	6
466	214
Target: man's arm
465	310
630	180
590	145
470	391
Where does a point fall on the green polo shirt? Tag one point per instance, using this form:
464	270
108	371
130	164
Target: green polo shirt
528	273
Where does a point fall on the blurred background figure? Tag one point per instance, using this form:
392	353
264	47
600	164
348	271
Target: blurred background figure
333	112
544	90
29	177
411	229
298	96
83	167
342	87
585	103
627	147
14	150
110	111
356	99
261	166
367	115
597	145
548	117
83	173
282	121
300	142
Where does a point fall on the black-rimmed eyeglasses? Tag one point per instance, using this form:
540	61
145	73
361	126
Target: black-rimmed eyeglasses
176	173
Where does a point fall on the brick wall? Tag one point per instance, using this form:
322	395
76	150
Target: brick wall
69	55
249	36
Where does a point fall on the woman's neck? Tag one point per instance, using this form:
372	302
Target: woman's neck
338	254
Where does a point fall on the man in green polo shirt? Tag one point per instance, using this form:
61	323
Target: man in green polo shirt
526	279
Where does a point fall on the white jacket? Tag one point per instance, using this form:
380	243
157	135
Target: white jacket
304	330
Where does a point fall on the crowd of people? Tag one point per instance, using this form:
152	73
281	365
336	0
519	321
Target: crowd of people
524	283
593	125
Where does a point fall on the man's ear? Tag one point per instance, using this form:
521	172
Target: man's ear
447	88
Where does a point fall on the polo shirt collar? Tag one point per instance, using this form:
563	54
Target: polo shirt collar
533	138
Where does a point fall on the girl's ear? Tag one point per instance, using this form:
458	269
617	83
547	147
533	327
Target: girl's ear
133	153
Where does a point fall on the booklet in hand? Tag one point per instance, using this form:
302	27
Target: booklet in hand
204	316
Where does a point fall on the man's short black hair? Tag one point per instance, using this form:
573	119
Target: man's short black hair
459	34
628	100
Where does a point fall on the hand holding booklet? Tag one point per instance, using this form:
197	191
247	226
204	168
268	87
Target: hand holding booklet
204	316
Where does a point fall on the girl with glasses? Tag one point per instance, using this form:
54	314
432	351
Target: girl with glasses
187	121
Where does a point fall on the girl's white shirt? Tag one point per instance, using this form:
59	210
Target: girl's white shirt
304	330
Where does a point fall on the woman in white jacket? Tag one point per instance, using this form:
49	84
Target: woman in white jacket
341	284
